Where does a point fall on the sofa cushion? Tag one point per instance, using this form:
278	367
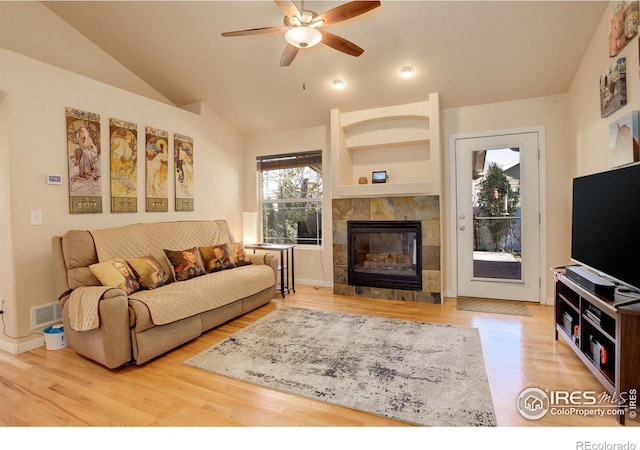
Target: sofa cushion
179	300
116	273
216	257
239	256
185	263
131	241
148	271
79	253
78	249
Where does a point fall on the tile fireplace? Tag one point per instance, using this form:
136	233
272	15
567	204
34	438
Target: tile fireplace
399	256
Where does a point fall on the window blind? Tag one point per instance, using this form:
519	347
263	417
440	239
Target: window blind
311	159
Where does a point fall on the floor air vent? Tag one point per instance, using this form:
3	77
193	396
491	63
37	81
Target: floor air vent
45	315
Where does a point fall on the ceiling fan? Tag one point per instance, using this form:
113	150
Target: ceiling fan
303	27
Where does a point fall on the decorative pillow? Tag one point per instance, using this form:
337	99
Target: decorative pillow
149	271
116	272
186	263
217	257
239	256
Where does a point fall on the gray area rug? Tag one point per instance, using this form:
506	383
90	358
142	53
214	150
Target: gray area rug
419	373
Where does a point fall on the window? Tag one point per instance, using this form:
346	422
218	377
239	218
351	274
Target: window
291	198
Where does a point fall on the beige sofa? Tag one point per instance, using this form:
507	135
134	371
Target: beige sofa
137	327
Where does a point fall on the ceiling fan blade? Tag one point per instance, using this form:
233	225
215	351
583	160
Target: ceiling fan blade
346	11
288	8
289	54
254	31
340	44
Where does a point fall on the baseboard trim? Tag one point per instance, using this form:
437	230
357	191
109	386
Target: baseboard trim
314	283
21	347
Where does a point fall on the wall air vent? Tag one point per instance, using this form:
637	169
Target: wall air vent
45	315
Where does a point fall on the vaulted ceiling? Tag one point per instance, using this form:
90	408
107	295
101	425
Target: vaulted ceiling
472	53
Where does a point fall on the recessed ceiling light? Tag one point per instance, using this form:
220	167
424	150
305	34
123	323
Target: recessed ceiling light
338	84
407	72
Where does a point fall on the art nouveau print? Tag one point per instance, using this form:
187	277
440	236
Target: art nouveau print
83	159
123	140
157	165
183	156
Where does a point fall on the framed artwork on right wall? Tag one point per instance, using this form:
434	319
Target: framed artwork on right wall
624	137
623	25
613	88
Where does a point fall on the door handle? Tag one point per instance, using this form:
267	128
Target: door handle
462	228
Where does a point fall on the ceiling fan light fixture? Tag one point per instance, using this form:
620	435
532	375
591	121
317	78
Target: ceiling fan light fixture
303	36
407	72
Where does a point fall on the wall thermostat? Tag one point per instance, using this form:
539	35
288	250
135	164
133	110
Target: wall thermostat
54	179
379	176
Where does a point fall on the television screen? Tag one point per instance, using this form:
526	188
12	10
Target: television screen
605	229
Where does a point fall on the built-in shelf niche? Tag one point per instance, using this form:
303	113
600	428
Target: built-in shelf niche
404	140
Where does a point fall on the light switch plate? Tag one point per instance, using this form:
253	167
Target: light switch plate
36	217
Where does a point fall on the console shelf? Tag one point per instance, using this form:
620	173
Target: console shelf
588	322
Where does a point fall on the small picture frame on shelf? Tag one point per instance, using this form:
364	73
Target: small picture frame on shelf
379	176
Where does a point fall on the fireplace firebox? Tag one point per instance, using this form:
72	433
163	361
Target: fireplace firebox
385	254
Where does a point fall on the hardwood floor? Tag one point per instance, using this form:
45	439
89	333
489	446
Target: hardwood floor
61	389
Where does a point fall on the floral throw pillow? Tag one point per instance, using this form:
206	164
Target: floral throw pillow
149	272
186	263
116	272
239	256
217	257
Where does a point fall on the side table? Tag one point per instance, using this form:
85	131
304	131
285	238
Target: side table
286	267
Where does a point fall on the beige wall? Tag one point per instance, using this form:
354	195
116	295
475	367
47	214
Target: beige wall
32	29
6	270
314	265
33	144
588	132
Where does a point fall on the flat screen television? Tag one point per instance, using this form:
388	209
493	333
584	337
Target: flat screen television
605	228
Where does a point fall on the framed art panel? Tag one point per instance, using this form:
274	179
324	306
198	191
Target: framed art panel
624	140
157	165
84	161
623	25
183	157
123	140
613	88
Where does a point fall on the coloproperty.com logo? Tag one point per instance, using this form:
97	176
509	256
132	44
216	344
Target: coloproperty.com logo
534	403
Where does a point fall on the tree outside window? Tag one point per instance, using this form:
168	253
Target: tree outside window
291	198
496	205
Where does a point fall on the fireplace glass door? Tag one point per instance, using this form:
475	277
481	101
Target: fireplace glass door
385	254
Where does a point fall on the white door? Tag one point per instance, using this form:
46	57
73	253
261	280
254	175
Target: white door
498	216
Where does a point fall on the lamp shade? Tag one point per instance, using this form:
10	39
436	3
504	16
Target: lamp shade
303	36
250	227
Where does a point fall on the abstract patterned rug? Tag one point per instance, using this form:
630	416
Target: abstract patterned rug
419	373
488	305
